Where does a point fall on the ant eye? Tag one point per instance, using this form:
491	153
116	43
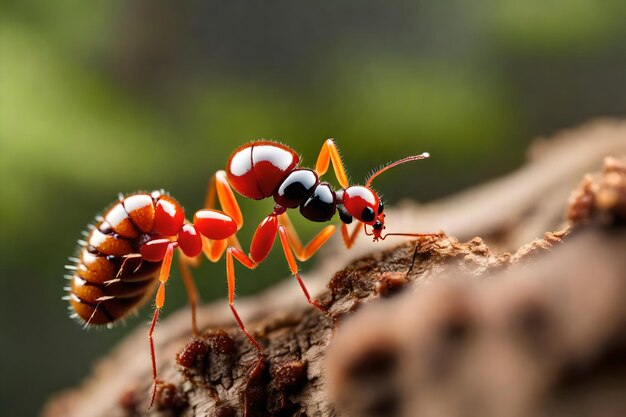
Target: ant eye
368	214
380	207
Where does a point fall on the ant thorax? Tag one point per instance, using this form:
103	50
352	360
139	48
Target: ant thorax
302	188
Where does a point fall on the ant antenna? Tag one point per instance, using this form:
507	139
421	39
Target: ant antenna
393	164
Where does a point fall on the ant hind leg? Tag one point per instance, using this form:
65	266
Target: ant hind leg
159	303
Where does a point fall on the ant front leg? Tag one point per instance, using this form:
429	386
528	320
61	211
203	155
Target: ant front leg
330	153
349	237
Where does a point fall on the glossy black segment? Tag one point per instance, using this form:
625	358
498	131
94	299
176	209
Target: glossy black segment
368	214
380	207
320	207
296	188
344	215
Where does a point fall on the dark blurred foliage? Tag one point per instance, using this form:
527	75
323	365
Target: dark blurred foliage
100	97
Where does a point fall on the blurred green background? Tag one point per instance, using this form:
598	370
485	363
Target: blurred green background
99	97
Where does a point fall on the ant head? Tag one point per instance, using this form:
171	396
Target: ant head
365	205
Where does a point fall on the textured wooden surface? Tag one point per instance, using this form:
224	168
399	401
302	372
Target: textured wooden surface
439	341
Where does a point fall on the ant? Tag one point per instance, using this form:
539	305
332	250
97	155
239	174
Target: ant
130	249
264	169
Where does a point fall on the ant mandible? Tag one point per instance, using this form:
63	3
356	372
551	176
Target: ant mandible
263	169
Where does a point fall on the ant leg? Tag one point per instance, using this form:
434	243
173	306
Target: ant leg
262	242
216	230
330	153
304	253
213	249
231	254
219	186
159	302
420	236
190	286
293	266
349	237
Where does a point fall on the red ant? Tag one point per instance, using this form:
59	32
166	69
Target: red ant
133	243
264	169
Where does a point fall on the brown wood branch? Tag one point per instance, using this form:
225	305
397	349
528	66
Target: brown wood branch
208	375
545	336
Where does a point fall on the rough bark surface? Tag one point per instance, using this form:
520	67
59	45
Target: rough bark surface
545	336
439	326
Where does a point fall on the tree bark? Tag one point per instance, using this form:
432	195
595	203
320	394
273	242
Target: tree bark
490	325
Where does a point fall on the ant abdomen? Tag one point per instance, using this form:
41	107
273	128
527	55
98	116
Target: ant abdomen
107	283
